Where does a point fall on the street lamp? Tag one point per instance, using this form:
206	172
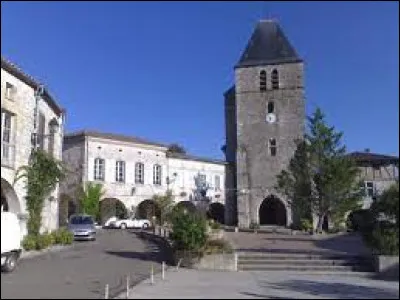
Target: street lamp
54	127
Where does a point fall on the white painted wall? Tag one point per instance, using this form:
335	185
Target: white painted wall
22	106
149	155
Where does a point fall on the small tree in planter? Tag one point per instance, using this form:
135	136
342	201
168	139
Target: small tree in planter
188	235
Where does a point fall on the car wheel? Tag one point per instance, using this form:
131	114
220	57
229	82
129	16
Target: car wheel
10	263
145	226
123	226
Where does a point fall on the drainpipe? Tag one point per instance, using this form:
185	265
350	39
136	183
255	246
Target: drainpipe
38	94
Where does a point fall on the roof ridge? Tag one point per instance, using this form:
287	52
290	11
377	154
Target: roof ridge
18	68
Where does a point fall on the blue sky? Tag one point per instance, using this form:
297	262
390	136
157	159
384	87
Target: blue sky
165	65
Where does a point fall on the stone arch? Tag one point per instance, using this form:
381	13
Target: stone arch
112	207
66	207
216	211
186	205
273	211
147	209
9	198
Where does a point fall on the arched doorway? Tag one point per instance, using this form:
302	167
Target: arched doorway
216	211
148	209
272	212
112	207
325	223
9	199
66	207
186	205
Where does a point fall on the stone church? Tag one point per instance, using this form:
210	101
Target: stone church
264	115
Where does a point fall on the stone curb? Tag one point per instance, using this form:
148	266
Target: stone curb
35	253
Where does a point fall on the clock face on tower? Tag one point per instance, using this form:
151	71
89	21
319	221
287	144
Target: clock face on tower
270	118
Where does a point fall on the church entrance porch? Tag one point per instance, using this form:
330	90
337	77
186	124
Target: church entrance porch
272	211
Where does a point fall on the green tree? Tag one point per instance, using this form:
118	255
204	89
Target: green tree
89	199
295	184
42	174
384	236
320	177
165	203
386	205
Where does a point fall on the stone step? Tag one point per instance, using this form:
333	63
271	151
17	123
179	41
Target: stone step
293	256
325	262
300	268
316	273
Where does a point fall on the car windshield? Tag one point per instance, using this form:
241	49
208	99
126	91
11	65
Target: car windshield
84	220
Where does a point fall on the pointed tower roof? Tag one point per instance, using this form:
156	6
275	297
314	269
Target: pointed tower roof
268	45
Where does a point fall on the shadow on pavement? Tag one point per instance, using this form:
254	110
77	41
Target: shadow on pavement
350	243
147	256
334	289
264	296
390	274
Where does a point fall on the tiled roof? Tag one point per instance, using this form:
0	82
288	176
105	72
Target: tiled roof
14	70
373	157
111	136
195	158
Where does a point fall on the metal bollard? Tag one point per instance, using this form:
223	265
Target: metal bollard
127	286
236	261
152	275
163	270
106	292
179	263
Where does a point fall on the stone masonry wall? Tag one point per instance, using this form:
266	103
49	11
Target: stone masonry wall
256	168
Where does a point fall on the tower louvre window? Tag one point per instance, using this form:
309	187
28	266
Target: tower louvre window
272	147
275	79
270	107
263	81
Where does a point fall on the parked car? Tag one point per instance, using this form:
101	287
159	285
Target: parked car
131	223
10	241
107	224
83	227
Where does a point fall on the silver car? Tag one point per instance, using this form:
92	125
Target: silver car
83	227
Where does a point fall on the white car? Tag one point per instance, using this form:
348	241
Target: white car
108	223
10	241
131	223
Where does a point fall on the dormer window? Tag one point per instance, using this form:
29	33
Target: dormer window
275	79
263	81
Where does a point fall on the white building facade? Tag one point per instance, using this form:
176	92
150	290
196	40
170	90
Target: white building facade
133	170
19	108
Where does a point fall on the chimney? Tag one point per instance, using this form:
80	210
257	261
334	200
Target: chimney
367	150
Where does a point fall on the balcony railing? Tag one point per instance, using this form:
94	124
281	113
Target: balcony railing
7	155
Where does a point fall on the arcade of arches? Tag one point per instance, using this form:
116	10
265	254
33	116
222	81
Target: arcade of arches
109	207
146	209
272	212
